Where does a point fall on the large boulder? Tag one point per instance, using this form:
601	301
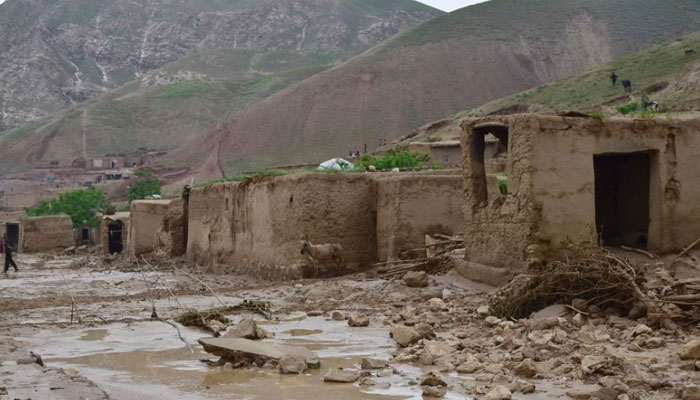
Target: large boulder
690	350
292	365
499	393
404	335
358	320
416	279
248	329
433	350
526	369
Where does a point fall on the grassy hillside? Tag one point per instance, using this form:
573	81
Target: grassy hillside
664	72
451	63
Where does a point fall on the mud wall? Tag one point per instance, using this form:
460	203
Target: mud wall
37	234
551	185
411	206
259	223
170	237
146	218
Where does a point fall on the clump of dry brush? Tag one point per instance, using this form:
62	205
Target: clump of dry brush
596	280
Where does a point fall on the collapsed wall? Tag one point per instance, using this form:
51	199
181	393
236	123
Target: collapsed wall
255	226
37	234
170	240
411	206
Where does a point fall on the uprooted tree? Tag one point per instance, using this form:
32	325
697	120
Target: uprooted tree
81	205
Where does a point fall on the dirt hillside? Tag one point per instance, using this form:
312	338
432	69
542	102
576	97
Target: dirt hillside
450	63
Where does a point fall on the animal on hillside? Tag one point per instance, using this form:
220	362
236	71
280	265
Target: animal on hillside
627	84
649	105
689	52
318	253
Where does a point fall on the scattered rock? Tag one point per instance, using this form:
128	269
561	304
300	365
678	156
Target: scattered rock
314	313
358	321
525	387
425	331
341	376
691	392
432	379
371	363
416	279
248	329
292	365
432	293
434	391
469	367
313	362
591	363
404	335
690	350
641	329
483	311
437	304
499	393
553	311
526	369
578	320
654	343
493	321
337	316
434	350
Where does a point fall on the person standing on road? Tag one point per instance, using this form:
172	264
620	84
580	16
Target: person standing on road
8	255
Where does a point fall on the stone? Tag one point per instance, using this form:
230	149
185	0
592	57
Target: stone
525	387
416	279
432	379
578	320
605	394
404	335
498	393
358	321
234	347
526	369
433	350
341	376
337	316
292	365
371	363
469	367
483	311
313	362
314	313
425	331
432	293
437	304
553	311
691	392
641	329
654	343
591	363
434	391
690	350
493	321
385	372
248	329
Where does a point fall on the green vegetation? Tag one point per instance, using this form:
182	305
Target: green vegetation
394	159
597	114
81	205
651	71
145	184
628	108
503	186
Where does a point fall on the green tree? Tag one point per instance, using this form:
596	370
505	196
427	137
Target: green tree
81	205
394	159
143	187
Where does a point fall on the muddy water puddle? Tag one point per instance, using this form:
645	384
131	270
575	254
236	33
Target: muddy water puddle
146	360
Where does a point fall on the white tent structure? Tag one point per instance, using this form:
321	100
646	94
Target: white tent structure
337	164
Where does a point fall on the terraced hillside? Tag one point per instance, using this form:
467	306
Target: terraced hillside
451	63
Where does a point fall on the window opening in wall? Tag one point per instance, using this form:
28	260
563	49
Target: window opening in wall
114	236
622	184
85	235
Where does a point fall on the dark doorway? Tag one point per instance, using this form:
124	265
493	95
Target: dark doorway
622	198
86	235
114	233
13	234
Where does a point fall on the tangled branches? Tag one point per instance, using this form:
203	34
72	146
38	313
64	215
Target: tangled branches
599	279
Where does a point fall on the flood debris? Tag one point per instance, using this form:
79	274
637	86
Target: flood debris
243	353
248	329
341	376
211	320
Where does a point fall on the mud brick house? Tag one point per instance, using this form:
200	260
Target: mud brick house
616	181
37	234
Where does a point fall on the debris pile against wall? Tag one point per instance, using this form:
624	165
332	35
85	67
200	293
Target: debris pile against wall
45	233
554	181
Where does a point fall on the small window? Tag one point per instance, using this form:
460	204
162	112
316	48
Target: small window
445	159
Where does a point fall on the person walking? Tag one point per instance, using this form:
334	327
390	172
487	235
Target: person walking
613	78
8	255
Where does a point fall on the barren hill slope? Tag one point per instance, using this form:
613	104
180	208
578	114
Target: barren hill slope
56	53
450	63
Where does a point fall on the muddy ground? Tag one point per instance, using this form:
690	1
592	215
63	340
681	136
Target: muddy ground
113	349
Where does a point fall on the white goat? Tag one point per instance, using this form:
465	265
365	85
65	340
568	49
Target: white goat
317	253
